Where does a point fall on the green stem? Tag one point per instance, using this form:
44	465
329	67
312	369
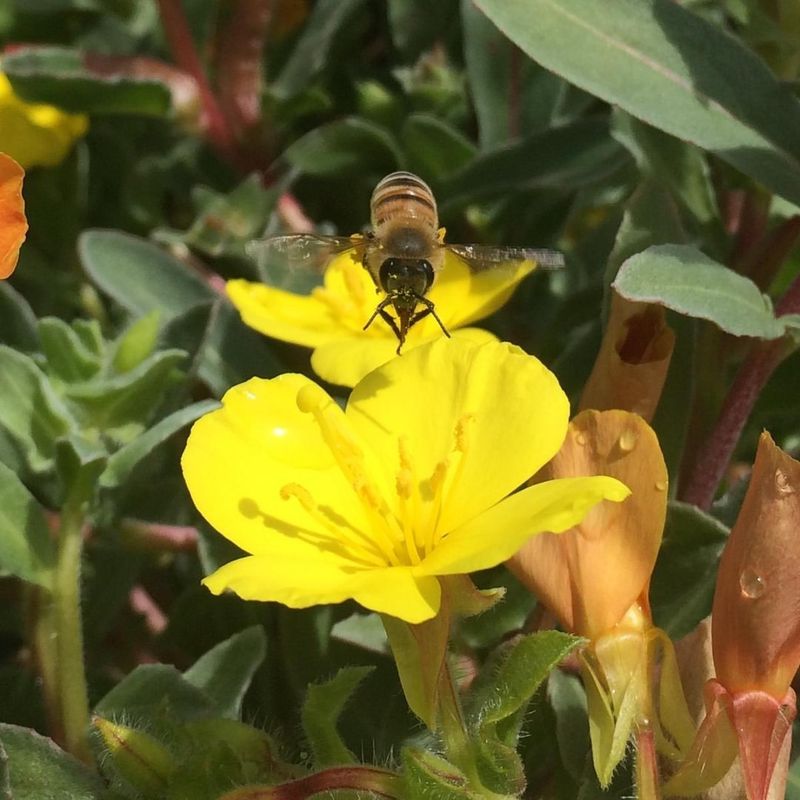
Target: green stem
68	628
42	639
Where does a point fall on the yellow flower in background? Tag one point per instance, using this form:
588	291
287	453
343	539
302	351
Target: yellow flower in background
405	485
331	319
13	225
35	134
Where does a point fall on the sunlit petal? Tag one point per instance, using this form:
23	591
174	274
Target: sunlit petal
300	582
240	459
498	533
491	414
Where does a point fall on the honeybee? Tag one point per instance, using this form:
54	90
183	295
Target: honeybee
403	252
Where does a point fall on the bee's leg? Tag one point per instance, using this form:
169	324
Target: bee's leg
429	309
379	310
392	323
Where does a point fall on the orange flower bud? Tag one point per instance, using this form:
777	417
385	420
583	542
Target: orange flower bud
634	357
755	620
592	574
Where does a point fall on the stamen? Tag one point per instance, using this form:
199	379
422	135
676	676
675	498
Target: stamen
340	539
384	528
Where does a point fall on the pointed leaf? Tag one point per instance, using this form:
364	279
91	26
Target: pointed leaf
323	704
516	671
124	461
154	687
429	776
224	672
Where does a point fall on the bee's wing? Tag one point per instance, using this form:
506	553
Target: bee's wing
297	262
480	257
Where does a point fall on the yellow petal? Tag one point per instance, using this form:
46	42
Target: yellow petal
239	459
486	291
300	319
346	361
320	578
498	533
495	414
36	134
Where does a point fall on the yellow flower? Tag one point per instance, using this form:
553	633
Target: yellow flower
36	134
13	224
407	484
331	319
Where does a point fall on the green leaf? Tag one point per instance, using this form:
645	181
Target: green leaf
226	222
660	62
567	157
122	463
139	275
17	320
30	410
433	147
515	672
677	165
233	352
689	282
224	672
568	701
511	93
155	688
37	769
68	357
118	400
138	342
430	776
61	76
312	51
26	546
347	146
323	704
682	587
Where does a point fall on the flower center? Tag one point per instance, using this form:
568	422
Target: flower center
399	534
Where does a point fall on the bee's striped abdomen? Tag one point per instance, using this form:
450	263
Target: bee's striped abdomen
403	196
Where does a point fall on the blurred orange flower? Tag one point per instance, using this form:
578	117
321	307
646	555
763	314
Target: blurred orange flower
13	224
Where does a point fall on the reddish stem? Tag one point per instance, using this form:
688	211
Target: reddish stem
753	374
239	61
185	54
380	782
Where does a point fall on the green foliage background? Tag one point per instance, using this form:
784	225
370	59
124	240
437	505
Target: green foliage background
602	129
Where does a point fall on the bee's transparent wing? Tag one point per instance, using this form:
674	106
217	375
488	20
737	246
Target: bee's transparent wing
297	262
480	257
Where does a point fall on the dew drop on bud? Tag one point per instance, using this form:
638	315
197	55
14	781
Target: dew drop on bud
580	438
627	441
661	486
782	482
751	584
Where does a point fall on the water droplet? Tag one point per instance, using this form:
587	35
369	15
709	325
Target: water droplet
661	486
751	584
627	440
580	438
782	482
